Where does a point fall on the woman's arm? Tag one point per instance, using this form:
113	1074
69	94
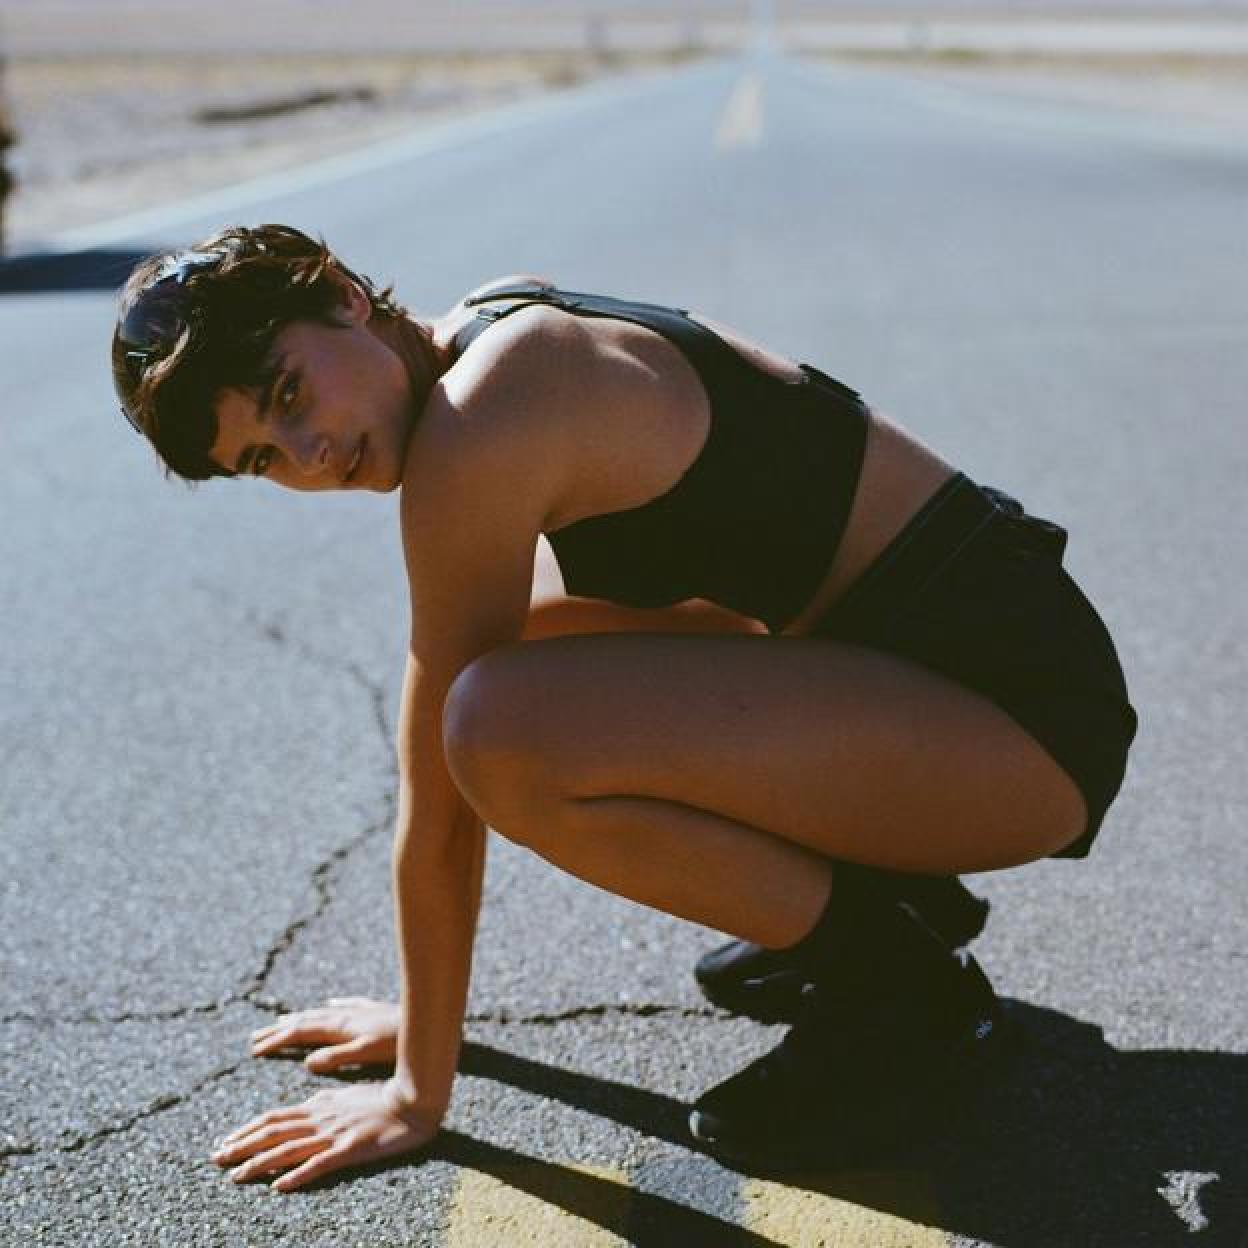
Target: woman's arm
480	479
481	575
438	862
480	484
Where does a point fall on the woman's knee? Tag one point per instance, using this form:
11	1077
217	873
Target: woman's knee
490	739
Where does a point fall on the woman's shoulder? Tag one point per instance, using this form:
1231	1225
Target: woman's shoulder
448	327
498	416
461	310
516	365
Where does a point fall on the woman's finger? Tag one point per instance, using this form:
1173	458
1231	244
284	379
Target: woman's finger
283	1022
322	1164
266	1137
301	1037
354	1053
318	1016
264	1120
280	1158
280	1028
270	1041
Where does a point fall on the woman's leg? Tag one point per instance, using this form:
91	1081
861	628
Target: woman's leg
742	976
734	781
714	778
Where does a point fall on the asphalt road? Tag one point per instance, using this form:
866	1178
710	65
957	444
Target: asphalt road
197	690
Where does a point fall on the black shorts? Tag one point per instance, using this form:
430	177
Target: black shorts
973	587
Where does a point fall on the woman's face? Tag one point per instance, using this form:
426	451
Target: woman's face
337	415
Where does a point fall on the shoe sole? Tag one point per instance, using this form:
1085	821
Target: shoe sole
969	1064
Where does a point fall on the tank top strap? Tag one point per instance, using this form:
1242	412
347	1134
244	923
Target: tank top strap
706	350
529	291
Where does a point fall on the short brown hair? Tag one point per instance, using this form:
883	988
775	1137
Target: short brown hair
228	311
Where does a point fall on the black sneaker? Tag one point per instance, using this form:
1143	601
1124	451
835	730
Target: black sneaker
839	1092
767	984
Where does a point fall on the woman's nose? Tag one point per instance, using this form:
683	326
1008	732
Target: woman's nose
308	451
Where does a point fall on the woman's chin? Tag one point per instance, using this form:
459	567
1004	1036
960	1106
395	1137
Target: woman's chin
386	483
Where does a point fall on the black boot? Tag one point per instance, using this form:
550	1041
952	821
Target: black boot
767	984
848	1085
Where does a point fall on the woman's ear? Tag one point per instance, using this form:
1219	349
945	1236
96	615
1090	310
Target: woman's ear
353	307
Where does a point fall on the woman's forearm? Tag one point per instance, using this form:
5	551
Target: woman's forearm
437	888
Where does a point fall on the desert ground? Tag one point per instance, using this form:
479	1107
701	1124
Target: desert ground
122	107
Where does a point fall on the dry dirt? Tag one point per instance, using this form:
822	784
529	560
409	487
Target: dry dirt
1211	89
105	133
100	137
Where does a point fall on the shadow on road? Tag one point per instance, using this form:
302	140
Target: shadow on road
640	1218
66	271
1070	1144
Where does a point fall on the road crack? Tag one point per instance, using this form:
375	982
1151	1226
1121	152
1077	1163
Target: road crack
577	1013
158	1105
322	878
322	881
130	1016
275	632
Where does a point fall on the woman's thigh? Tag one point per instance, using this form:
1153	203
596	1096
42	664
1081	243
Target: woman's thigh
853	752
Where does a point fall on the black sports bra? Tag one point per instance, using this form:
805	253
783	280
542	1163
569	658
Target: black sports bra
756	519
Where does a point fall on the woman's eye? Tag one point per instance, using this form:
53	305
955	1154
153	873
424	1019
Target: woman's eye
289	392
261	461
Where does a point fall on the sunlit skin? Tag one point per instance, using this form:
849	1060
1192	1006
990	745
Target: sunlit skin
339	417
339	387
659	795
344	392
337	384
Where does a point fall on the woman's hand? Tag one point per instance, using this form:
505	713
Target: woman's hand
334	1129
353	1030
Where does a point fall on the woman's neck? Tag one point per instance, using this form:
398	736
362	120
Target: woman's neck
413	341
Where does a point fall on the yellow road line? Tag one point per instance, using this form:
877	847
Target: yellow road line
497	1212
799	1217
541	1205
742	122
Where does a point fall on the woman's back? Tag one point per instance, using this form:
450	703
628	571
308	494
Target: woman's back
716	469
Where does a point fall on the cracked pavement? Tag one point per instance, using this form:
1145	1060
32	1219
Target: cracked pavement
197	694
166	912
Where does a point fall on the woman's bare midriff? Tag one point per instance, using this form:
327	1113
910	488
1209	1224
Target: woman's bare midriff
899	473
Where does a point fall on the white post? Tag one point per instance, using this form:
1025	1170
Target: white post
764	24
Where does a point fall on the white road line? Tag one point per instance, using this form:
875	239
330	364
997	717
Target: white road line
1182	1194
742	122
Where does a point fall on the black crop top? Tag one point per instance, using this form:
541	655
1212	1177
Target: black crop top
754	522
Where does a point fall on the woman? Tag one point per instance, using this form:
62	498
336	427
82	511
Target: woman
785	671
